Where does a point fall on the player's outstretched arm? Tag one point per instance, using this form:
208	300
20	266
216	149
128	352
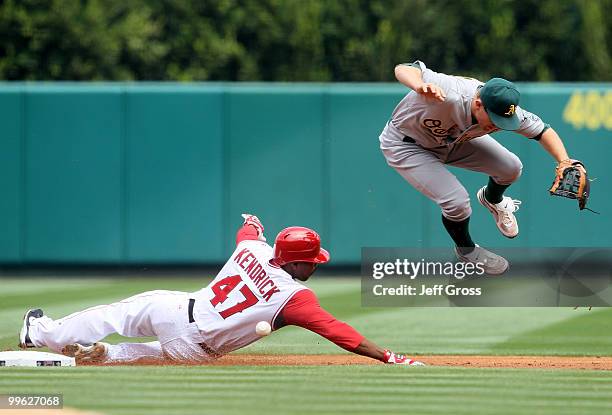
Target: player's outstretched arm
552	143
303	310
413	79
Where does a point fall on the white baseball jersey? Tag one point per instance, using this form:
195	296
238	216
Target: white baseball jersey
247	290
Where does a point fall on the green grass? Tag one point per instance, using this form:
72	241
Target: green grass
338	389
320	390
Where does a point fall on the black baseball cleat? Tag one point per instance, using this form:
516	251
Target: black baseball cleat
24	335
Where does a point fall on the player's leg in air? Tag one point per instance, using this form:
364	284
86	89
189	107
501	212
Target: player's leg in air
484	154
425	170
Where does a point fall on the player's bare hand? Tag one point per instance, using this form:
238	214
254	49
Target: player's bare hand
256	223
431	91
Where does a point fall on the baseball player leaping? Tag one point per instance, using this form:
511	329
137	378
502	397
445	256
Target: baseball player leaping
258	283
447	120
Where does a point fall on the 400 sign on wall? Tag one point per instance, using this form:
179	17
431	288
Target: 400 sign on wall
589	109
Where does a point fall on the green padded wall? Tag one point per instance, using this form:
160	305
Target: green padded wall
11	177
368	202
149	173
72	174
274	160
174	169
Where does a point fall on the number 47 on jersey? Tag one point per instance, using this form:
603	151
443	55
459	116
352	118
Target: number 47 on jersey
222	288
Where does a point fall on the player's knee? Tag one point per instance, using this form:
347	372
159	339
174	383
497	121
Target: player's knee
510	170
457	207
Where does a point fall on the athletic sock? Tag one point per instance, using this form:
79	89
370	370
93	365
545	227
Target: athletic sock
460	232
494	193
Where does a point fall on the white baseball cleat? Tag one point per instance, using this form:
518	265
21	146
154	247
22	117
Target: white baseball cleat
24	335
96	353
493	264
503	212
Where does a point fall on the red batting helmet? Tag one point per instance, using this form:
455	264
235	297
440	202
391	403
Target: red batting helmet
298	244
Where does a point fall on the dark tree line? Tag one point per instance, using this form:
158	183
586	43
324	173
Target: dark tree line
303	40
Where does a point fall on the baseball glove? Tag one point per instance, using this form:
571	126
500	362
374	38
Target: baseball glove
571	181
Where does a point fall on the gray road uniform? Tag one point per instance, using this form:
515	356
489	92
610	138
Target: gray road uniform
424	134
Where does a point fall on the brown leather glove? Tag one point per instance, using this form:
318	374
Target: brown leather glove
571	181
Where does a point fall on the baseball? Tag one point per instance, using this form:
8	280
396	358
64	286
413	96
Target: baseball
263	328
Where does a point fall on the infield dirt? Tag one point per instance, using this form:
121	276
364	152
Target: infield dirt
527	362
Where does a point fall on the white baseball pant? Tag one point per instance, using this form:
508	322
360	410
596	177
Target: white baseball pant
162	314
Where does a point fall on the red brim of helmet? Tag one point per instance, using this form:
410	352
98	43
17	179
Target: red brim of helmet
323	257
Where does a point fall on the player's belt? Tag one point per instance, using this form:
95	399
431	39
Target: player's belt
190	310
407	139
207	349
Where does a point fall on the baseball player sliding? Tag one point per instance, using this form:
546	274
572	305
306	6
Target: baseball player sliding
257	284
447	120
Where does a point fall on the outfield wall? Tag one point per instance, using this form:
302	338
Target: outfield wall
116	173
